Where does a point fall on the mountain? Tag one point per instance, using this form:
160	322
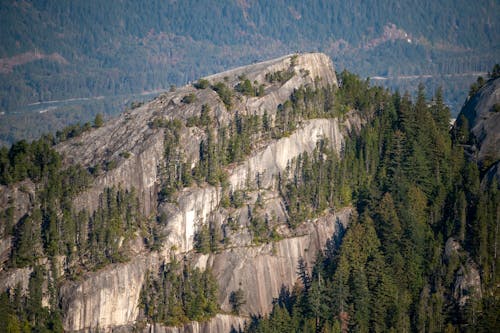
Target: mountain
135	162
280	189
63	62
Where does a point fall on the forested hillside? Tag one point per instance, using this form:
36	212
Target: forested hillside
53	51
420	255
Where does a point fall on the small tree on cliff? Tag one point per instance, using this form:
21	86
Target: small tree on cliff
98	121
237	299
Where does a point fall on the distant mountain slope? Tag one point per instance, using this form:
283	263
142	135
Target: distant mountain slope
77	49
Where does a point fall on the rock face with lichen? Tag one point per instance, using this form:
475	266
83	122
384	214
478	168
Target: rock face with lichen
129	153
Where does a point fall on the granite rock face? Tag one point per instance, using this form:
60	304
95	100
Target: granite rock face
467	284
220	323
104	299
138	171
132	135
194	205
483	114
261	271
19	199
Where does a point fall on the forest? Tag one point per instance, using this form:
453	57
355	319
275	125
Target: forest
416	196
423	217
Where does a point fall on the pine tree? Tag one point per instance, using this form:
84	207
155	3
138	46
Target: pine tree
388	226
98	120
441	113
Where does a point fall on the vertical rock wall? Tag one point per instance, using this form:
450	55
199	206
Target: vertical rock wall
261	271
104	299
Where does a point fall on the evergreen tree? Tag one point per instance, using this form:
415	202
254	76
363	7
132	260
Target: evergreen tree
98	120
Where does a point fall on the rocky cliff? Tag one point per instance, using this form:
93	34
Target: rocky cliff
220	323
129	153
195	205
482	112
21	199
131	135
261	271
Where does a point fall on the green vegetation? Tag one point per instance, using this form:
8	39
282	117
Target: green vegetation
98	120
261	228
176	174
203	120
88	240
413	190
177	294
53	228
316	183
305	103
480	82
236	299
404	173
218	149
125	154
26	314
280	76
100	235
202	84
70	132
246	88
208	238
188	99
225	93
495	72
36	160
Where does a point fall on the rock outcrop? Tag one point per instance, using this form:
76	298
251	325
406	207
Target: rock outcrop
311	69
220	323
266	164
261	271
194	205
131	134
18	200
467	284
110	298
104	299
15	277
108	144
482	112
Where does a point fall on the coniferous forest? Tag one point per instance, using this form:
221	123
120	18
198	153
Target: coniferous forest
423	217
